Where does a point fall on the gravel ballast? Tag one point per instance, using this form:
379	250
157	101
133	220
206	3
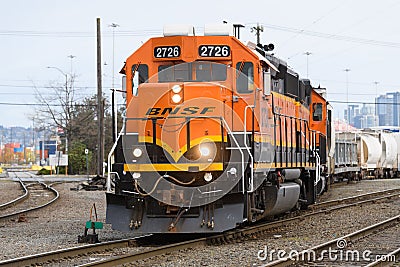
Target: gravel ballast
56	226
10	191
59	225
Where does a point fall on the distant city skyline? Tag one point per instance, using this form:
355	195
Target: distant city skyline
385	112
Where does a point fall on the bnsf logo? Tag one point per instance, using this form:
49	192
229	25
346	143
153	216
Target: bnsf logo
178	110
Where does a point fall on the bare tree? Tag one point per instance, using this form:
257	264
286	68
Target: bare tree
56	107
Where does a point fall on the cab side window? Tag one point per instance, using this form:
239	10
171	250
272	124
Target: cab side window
143	71
245	79
140	74
317	112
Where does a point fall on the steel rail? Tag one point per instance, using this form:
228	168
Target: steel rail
287	261
148	253
216	239
344	200
64	253
373	200
267	226
56	196
18	199
382	262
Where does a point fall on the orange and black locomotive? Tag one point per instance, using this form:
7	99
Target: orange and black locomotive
217	133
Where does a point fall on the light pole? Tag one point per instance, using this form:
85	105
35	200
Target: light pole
307	54
347	95
63	73
67	101
376	97
376	104
71	57
113	25
114	106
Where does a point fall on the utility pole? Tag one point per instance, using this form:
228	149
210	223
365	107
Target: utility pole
43	138
2	147
100	110
258	31
24	150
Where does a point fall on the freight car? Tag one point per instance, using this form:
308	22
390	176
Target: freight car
346	158
217	134
367	153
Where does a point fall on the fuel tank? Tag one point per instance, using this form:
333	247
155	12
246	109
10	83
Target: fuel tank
282	199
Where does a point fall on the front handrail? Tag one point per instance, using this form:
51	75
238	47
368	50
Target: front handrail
317	168
240	150
108	182
248	149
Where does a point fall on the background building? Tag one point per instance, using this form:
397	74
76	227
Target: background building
388	109
363	117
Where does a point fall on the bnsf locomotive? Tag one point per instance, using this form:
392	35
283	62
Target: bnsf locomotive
217	134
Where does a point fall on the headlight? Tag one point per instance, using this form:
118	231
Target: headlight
204	151
176	88
176	98
207	176
137	152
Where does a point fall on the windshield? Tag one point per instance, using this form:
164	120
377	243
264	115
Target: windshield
200	71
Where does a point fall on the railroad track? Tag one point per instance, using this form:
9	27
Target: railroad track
37	196
17	199
345	252
357	199
228	237
20	173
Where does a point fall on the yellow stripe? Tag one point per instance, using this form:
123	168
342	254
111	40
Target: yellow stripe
262	139
178	154
261	165
283	97
172	167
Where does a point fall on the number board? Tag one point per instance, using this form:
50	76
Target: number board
214	51
167	51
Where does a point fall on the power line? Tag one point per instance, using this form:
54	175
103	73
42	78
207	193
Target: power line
49	105
158	32
365	103
357	94
42	87
77	34
333	36
42	104
312	24
46	94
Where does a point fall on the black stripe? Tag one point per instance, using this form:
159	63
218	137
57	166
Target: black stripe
154	131
188	133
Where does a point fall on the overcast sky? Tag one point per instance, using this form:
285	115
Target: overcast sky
363	36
